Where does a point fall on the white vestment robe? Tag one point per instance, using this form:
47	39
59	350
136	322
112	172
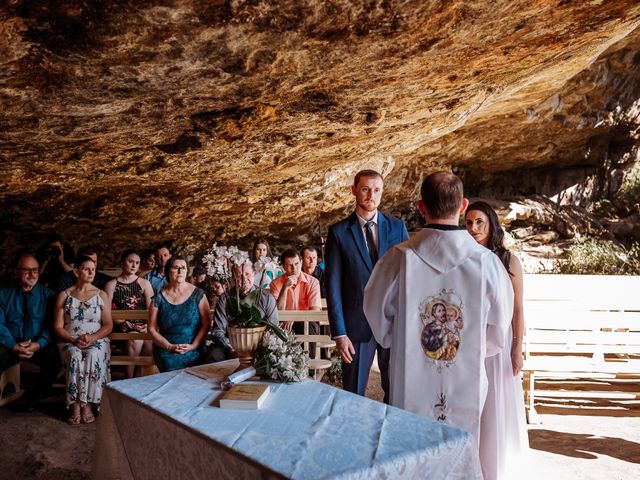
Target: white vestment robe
442	303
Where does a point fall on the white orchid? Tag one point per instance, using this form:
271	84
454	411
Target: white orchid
267	264
240	257
219	258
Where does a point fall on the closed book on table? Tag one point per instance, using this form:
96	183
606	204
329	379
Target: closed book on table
218	372
246	396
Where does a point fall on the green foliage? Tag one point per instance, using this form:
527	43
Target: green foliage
244	312
334	372
597	257
629	193
602	208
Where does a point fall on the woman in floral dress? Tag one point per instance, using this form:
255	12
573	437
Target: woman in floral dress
128	291
83	322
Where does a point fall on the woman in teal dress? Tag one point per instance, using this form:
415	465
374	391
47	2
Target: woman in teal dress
179	318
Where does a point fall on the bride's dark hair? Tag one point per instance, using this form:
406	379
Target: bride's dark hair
495	242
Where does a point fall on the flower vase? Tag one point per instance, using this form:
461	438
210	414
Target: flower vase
245	341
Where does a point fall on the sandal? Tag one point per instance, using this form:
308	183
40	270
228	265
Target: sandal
74	417
87	415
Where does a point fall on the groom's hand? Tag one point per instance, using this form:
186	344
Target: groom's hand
345	347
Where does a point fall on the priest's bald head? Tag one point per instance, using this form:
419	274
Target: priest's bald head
442	198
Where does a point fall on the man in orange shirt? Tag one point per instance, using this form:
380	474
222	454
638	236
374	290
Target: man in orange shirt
295	290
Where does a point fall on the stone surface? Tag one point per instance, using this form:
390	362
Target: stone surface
192	121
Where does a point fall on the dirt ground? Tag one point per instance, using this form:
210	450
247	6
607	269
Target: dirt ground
574	441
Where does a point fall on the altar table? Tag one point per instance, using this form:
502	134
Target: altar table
168	426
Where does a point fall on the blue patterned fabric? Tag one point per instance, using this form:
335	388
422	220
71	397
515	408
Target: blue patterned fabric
305	430
178	324
158	281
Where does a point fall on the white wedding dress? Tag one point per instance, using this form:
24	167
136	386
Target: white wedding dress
503	421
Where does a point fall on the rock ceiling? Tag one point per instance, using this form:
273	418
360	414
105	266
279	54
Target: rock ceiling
189	121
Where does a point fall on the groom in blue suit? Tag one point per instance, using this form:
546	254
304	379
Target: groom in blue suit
354	245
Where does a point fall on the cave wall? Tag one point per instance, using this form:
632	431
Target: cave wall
576	144
127	123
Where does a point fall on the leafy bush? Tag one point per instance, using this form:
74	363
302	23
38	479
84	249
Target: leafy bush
629	193
334	372
598	257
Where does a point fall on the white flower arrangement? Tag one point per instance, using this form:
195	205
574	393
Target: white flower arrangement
281	360
241	312
219	258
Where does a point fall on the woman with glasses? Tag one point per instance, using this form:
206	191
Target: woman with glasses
179	317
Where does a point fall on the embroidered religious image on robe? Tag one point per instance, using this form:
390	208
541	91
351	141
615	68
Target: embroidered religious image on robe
441	316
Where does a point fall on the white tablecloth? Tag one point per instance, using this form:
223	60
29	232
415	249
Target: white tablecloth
168	426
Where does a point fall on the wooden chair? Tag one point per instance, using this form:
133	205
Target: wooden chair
318	365
146	363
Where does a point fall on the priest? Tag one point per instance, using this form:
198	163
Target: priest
442	304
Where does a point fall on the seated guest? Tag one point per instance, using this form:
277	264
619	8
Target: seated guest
179	318
83	322
296	290
261	249
56	259
100	280
201	280
25	324
218	287
310	266
147	262
218	346
156	276
130	292
198	275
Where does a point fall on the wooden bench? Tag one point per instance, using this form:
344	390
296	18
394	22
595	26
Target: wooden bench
146	363
10	385
579	327
318	365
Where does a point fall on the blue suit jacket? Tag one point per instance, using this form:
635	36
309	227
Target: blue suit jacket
348	268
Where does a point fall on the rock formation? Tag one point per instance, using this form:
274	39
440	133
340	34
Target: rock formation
196	120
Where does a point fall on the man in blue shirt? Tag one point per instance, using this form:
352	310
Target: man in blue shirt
156	276
25	327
